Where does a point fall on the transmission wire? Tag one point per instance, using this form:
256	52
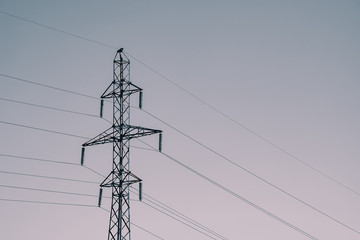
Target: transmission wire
42	129
69	204
235	194
190	94
44	202
71	193
48	177
57	30
179	215
47	86
49	191
179	220
166	207
252	174
37	159
48	107
60	162
218	154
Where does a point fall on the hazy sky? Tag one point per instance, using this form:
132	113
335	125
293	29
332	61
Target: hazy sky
286	71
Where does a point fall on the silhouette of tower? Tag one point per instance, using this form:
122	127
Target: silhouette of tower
120	134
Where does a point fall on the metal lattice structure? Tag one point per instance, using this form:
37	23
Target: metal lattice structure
120	134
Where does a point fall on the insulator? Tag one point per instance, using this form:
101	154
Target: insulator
160	142
100	197
140	99
140	191
82	156
101	107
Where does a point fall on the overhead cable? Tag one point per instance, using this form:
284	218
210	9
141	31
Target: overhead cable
252	174
180	221
47	86
218	185
44	202
49	177
189	93
184	219
159	204
37	159
57	29
42	129
70	204
218	154
194	96
50	191
48	107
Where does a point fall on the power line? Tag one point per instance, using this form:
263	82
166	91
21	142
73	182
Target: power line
183	89
49	191
48	177
190	94
179	221
69	204
218	185
180	215
48	107
317	210
51	161
42	129
352	190
37	159
65	192
44	202
151	233
245	127
53	108
252	174
93	171
67	163
218	154
52	191
47	86
57	30
172	210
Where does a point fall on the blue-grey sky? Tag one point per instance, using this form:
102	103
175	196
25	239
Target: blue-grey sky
285	70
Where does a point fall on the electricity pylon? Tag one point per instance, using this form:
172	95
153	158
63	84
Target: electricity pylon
119	134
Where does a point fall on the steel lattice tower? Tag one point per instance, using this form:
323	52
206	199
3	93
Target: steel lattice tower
119	134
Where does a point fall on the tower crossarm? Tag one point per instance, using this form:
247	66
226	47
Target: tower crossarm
136	131
114	89
112	180
104	137
130	132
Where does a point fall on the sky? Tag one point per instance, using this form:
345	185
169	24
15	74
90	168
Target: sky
259	97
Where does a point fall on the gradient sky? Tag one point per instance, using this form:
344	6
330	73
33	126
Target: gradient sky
286	70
